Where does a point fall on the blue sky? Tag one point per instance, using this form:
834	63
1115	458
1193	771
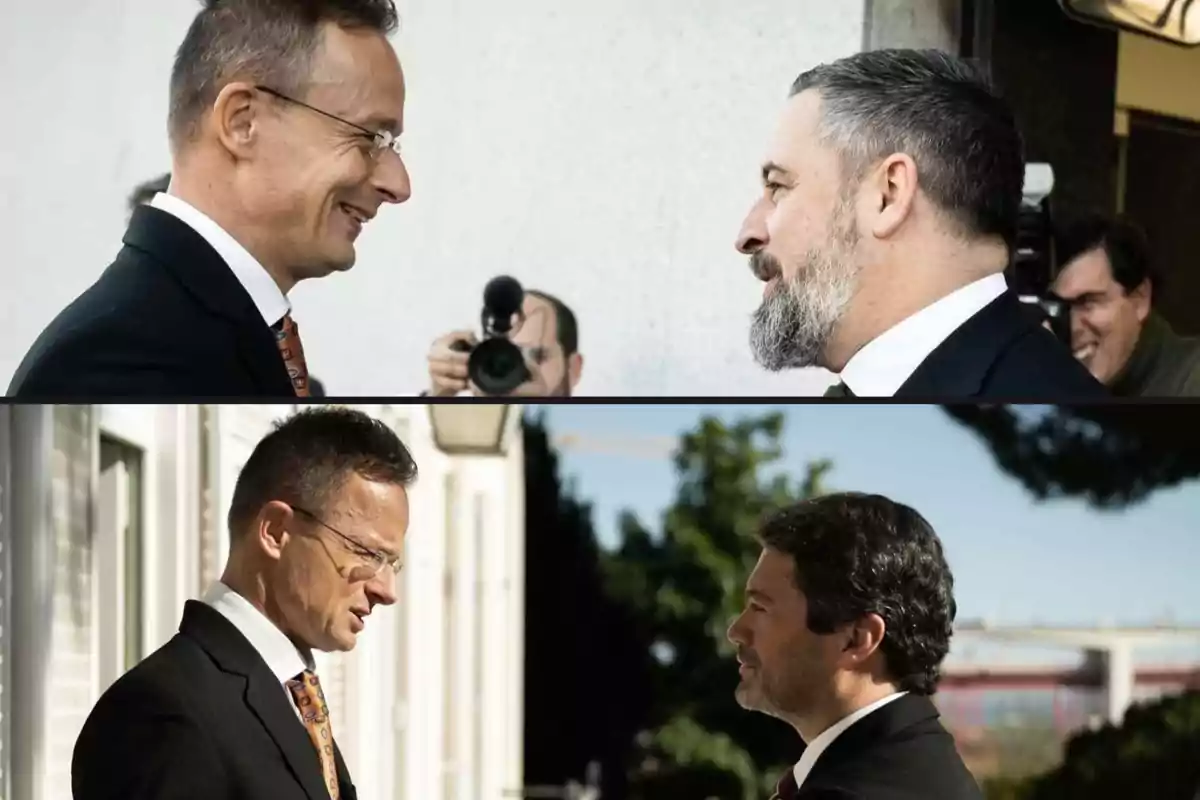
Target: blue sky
1015	560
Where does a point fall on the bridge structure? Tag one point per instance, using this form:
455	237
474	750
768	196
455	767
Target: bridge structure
1107	665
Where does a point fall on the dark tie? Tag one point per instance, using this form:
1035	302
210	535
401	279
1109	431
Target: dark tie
310	700
287	336
839	389
786	789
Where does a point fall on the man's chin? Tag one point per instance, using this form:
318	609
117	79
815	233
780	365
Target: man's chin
748	696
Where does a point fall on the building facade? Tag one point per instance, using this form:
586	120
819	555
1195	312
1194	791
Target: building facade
112	517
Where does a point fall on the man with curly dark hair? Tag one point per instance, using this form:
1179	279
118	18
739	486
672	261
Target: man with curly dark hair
849	613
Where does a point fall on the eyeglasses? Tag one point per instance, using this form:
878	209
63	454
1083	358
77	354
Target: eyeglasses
380	140
375	561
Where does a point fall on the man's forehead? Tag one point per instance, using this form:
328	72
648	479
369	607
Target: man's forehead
1089	272
774	572
795	142
358	73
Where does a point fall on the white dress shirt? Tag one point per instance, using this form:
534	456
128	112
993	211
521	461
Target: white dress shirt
819	744
883	364
258	283
283	658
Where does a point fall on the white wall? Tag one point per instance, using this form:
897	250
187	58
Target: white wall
605	152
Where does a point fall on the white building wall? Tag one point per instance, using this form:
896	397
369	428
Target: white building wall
605	152
392	698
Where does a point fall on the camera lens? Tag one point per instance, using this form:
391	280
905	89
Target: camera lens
497	367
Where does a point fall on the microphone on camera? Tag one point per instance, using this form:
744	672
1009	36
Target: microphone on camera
502	298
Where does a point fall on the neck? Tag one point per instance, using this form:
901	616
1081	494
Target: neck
194	185
252	584
837	708
895	289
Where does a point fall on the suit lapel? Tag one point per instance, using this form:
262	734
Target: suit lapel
210	281
960	365
264	695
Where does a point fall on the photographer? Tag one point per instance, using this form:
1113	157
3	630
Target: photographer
1108	280
547	337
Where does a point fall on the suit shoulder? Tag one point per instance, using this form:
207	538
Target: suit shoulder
1038	366
165	683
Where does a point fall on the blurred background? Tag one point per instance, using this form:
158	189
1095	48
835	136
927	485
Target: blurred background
571	570
603	152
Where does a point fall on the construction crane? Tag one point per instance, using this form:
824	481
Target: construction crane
654	448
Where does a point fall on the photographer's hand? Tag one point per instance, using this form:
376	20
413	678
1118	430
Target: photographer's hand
448	367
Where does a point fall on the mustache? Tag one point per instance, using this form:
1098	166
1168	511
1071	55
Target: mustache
765	266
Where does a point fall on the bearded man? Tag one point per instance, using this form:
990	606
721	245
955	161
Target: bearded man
888	215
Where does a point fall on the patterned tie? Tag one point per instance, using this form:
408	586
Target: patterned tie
287	336
786	789
306	692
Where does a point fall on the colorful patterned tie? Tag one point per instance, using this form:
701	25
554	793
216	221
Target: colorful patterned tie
306	692
287	336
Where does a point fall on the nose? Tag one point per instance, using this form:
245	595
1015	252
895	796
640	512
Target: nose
391	178
735	634
381	590
753	235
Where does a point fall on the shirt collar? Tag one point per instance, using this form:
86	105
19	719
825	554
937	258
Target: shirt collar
825	738
272	303
284	659
883	364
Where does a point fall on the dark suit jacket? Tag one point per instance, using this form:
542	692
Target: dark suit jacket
167	320
202	718
898	752
1002	353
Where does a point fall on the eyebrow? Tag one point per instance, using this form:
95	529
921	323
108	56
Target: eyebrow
756	594
770	167
382	122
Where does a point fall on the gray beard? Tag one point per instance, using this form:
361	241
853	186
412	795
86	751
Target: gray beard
793	325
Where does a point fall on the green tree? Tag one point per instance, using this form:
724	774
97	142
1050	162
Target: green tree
685	583
1154	753
587	678
1110	455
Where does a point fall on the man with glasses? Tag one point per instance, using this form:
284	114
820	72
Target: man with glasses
232	705
284	123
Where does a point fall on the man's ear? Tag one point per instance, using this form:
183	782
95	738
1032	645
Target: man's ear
271	528
574	369
893	189
236	117
1142	298
863	639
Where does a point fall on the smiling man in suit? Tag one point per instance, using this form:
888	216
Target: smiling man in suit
232	706
887	217
848	616
283	126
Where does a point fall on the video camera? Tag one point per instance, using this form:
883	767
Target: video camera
1034	264
496	365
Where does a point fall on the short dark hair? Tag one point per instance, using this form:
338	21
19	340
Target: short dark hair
310	455
565	326
1123	241
940	110
144	192
858	554
269	42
